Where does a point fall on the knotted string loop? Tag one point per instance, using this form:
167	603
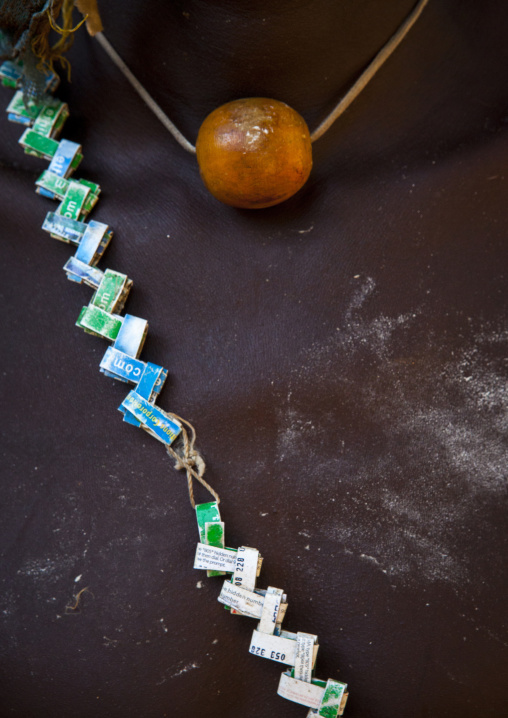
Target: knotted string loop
188	458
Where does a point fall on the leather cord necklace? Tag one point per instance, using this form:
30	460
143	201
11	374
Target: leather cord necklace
256	152
102	317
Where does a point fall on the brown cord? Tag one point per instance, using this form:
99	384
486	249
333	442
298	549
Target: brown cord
41	47
190	459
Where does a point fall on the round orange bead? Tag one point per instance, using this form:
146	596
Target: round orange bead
254	152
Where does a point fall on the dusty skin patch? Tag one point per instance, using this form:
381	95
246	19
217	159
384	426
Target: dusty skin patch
447	408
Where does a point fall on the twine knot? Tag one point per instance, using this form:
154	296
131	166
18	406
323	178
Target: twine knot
187	458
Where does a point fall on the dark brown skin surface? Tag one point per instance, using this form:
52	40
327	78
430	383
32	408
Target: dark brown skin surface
254	152
342	356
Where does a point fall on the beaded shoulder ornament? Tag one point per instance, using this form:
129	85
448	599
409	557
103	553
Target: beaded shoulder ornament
43	121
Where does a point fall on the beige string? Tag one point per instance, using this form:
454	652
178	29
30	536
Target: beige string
337	111
189	459
370	71
145	96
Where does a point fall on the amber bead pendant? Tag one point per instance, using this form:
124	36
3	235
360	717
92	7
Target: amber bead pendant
254	152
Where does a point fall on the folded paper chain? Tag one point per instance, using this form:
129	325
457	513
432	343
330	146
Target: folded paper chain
102	318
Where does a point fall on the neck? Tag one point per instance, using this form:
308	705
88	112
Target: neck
196	55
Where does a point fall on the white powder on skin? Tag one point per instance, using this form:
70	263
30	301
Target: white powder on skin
444	408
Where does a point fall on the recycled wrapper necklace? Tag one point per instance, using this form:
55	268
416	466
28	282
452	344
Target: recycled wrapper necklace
258	176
